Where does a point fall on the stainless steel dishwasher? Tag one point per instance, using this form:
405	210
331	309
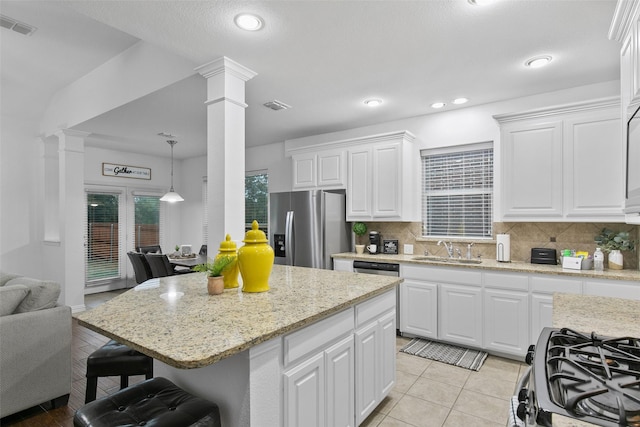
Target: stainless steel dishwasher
383	269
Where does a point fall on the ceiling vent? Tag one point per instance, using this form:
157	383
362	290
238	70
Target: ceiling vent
276	105
17	26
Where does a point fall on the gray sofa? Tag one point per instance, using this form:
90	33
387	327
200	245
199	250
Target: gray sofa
35	344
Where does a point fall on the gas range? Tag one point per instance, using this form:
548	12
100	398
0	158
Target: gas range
591	378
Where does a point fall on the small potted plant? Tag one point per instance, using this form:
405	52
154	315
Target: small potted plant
613	243
215	282
359	229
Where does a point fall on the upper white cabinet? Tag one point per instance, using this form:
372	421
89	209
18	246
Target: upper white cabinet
377	172
380	183
563	163
625	28
323	169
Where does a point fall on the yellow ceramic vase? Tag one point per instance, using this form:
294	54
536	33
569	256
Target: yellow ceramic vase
228	249
255	259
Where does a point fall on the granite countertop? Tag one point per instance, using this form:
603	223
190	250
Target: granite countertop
174	319
586	313
491	264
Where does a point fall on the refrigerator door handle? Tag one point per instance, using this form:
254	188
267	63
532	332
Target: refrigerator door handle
289	239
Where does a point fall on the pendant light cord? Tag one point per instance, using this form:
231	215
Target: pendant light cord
172	143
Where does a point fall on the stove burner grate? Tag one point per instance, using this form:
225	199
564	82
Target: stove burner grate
594	376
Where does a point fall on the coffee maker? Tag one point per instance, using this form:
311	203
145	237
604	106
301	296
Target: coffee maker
374	241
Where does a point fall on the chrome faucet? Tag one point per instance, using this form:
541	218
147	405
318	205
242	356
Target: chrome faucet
448	247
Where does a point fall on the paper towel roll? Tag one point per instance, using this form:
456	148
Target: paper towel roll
503	248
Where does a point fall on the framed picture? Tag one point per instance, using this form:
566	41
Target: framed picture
390	247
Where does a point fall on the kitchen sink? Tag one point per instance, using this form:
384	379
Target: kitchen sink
445	259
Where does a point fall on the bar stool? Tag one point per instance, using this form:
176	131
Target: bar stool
155	402
115	359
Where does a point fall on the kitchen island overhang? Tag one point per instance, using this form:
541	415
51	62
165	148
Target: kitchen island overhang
233	348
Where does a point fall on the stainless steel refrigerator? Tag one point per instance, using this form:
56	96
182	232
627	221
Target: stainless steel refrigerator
306	227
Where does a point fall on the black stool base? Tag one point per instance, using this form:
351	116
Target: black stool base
156	402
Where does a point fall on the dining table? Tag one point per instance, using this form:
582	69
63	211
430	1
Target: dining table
185	261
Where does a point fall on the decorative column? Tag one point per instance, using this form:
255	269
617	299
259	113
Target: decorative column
225	148
72	215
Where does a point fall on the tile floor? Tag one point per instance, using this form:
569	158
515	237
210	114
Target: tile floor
427	393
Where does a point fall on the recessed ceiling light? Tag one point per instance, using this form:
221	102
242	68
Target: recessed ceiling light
460	101
248	22
438	105
538	61
480	2
373	102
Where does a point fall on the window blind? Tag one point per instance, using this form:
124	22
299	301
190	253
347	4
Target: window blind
104	236
256	192
458	191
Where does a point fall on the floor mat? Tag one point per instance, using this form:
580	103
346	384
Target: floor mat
446	353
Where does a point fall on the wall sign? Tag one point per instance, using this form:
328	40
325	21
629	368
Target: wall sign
125	171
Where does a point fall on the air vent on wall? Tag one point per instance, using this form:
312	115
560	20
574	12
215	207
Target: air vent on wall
276	105
17	26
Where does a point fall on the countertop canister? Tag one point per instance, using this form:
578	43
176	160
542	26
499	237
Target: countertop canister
228	248
255	259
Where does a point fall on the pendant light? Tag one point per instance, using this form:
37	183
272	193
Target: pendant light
171	196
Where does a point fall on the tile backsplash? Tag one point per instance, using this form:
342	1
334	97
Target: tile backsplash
524	236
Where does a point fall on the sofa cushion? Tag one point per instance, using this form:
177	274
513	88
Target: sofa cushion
5	277
10	297
42	294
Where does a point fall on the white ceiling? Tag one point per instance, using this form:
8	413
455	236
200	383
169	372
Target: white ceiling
324	58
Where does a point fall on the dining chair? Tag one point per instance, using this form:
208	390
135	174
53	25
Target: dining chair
141	267
161	267
153	249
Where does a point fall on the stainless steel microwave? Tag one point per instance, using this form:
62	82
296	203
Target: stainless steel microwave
632	203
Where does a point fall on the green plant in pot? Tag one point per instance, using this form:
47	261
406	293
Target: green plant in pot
359	229
612	242
215	282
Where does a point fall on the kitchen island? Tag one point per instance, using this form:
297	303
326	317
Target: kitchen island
272	358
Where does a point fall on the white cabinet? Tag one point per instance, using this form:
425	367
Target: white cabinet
340	383
321	169
593	169
625	28
419	308
460	315
374	352
542	288
343	265
608	288
304	393
319	379
418	302
506	312
380	181
532	169
563	163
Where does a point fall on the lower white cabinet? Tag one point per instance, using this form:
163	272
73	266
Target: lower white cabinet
320	391
375	352
343	265
304	393
419	313
506	320
338	370
339	364
541	313
460	314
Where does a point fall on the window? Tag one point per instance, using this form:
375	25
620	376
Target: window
103	234
457	192
256	200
